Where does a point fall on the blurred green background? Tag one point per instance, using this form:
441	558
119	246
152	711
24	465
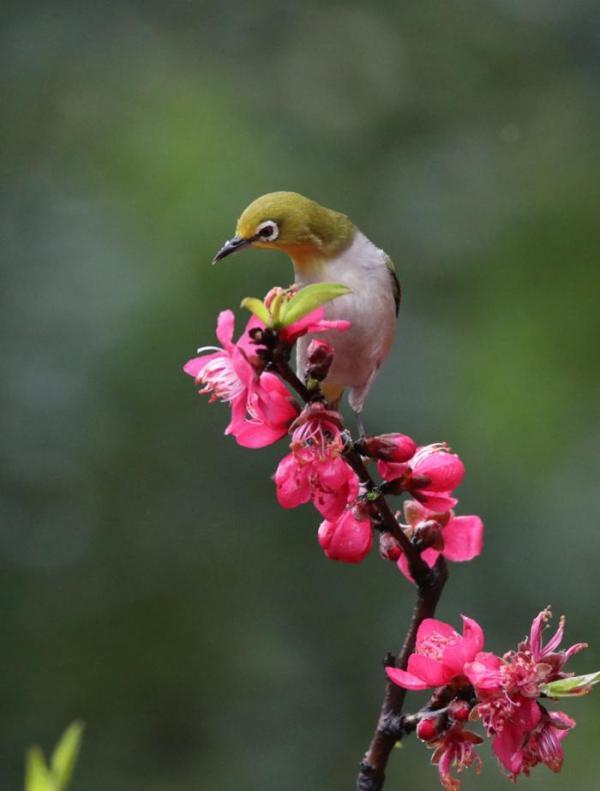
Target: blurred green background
149	582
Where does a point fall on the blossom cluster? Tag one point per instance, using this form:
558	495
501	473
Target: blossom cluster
316	469
508	694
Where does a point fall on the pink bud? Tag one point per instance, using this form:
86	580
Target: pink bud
444	470
348	538
395	448
318	360
427	729
389	548
459	710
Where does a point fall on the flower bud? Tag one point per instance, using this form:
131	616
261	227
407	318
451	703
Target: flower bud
428	535
347	539
389	548
428	728
318	360
435	467
396	448
459	710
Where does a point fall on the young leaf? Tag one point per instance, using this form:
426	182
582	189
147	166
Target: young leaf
37	775
65	755
309	298
571	687
258	307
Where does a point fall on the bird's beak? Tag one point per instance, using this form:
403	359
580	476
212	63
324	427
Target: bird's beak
232	246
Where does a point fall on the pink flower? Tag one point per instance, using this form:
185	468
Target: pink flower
261	406
348	538
524	733
315	469
455	749
440	655
430	476
459	538
546	653
524	715
544	742
484	673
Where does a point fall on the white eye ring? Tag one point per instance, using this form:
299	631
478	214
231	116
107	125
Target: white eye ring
267	231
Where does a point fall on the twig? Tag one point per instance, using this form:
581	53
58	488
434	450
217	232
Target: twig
391	724
389	727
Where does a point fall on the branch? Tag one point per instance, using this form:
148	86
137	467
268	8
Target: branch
418	568
391	725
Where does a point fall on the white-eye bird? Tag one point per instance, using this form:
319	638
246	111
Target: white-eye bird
325	246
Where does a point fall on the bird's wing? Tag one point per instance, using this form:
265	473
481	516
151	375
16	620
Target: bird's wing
395	282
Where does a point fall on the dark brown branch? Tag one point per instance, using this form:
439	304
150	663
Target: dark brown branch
287	374
391	725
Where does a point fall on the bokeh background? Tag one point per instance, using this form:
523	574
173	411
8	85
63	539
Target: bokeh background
149	583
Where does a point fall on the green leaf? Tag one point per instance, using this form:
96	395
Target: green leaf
37	775
571	687
258	307
65	755
309	298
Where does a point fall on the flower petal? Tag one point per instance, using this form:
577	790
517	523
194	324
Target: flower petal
225	325
455	656
245	342
507	746
473	637
484	671
348	539
434	673
389	471
435	501
292	484
431	627
196	365
429	556
463	538
404	679
258	435
445	470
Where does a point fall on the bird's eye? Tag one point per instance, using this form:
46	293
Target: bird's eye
268	231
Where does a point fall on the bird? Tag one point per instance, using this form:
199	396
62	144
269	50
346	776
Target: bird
326	247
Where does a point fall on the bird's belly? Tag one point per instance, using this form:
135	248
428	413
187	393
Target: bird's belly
357	351
371	310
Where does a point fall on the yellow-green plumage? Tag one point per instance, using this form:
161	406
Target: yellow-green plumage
303	224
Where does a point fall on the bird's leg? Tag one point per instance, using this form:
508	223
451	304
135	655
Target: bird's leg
360	425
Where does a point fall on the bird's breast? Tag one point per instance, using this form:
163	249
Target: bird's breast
370	307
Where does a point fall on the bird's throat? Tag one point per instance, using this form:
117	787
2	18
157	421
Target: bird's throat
309	263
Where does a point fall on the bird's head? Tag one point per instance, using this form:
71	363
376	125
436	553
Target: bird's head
287	221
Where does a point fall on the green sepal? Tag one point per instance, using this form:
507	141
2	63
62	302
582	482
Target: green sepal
571	687
258	307
37	775
309	298
65	755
